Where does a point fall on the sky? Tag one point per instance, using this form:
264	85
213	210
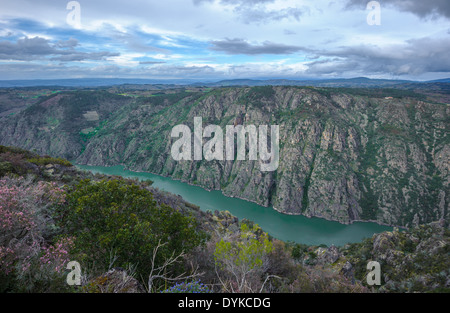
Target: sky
210	40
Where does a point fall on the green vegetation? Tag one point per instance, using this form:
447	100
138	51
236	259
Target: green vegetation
370	92
88	133
384	149
14	160
411	261
128	239
49	160
119	220
261	92
246	253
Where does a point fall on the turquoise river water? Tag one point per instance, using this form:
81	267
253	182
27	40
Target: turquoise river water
296	228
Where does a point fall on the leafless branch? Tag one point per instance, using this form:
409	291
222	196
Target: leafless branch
162	272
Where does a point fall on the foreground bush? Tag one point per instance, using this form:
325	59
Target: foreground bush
117	223
31	257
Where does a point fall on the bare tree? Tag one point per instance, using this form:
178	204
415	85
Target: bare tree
163	271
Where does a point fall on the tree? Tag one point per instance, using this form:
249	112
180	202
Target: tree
240	258
163	271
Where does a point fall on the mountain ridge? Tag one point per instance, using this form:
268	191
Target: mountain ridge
104	82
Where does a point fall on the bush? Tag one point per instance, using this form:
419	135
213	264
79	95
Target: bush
49	160
31	260
118	222
241	259
12	163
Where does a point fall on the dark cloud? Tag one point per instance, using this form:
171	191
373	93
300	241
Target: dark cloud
421	8
414	57
80	56
37	48
25	48
240	46
71	43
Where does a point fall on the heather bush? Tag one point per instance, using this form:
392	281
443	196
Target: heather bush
28	258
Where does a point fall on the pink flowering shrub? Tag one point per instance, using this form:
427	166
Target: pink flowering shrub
26	229
57	255
7	259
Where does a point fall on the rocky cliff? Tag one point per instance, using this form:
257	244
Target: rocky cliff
345	154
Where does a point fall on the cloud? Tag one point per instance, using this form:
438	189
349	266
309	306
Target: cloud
131	39
288	32
37	48
413	57
71	43
237	39
151	62
235	2
257	11
240	46
421	8
25	48
82	56
258	15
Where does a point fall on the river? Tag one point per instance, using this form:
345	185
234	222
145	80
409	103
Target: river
296	228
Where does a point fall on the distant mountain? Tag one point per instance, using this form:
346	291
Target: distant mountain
444	80
350	82
440	86
102	82
87	82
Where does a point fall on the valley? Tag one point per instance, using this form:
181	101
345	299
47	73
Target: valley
346	154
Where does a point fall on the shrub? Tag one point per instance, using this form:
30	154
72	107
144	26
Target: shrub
118	222
29	261
49	160
241	258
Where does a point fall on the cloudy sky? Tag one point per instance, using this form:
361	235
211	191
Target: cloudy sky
208	40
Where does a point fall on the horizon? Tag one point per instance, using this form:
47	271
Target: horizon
182	81
215	40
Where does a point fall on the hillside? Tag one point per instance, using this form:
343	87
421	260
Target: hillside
51	213
345	154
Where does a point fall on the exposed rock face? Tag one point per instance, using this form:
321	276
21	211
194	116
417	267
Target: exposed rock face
343	156
348	271
327	256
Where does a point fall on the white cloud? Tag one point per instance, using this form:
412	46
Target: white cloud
126	59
